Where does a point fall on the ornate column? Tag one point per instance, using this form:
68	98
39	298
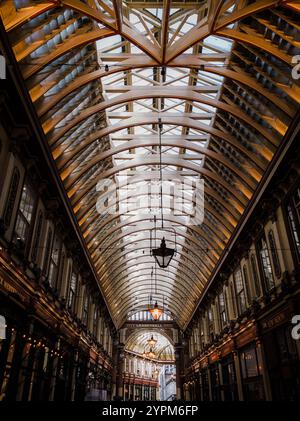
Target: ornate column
143	392
237	366
65	278
80	298
25	358
209	382
73	379
221	380
264	370
178	349
54	373
120	371
91	317
115	367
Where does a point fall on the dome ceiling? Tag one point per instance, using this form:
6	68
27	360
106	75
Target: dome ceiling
102	73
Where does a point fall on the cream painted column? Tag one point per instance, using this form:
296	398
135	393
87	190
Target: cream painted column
73	378
25	360
134	391
205	329
115	367
287	258
231	299
221	380
65	279
157	393
91	317
178	349
209	384
121	356
143	392
99	327
109	344
264	370
105	337
238	372
54	373
80	299
215	318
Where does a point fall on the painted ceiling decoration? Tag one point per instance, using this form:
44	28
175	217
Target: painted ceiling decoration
101	73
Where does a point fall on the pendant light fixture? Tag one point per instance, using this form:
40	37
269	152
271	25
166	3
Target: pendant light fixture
152	341
151	354
155	311
163	255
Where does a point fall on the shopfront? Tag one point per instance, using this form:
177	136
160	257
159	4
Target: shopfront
283	355
229	382
251	371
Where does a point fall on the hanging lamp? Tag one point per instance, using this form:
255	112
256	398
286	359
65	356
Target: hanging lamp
163	255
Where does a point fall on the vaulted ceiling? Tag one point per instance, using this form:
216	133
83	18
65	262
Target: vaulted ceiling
100	75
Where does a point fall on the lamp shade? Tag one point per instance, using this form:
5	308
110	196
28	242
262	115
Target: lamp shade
155	312
151	354
163	255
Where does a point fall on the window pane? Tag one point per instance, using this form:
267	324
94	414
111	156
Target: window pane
24	213
266	264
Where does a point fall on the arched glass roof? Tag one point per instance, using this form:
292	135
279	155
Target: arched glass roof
102	73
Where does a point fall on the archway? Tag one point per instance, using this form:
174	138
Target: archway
149	371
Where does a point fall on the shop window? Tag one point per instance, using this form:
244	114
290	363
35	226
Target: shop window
54	262
265	264
274	254
240	291
72	291
251	374
95	322
255	276
85	315
222	309
202	335
249	363
286	345
293	214
37	237
233	301
204	384
25	213
47	251
11	198
215	382
210	325
246	281
60	271
229	385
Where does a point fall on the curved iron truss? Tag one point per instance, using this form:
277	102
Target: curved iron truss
102	73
